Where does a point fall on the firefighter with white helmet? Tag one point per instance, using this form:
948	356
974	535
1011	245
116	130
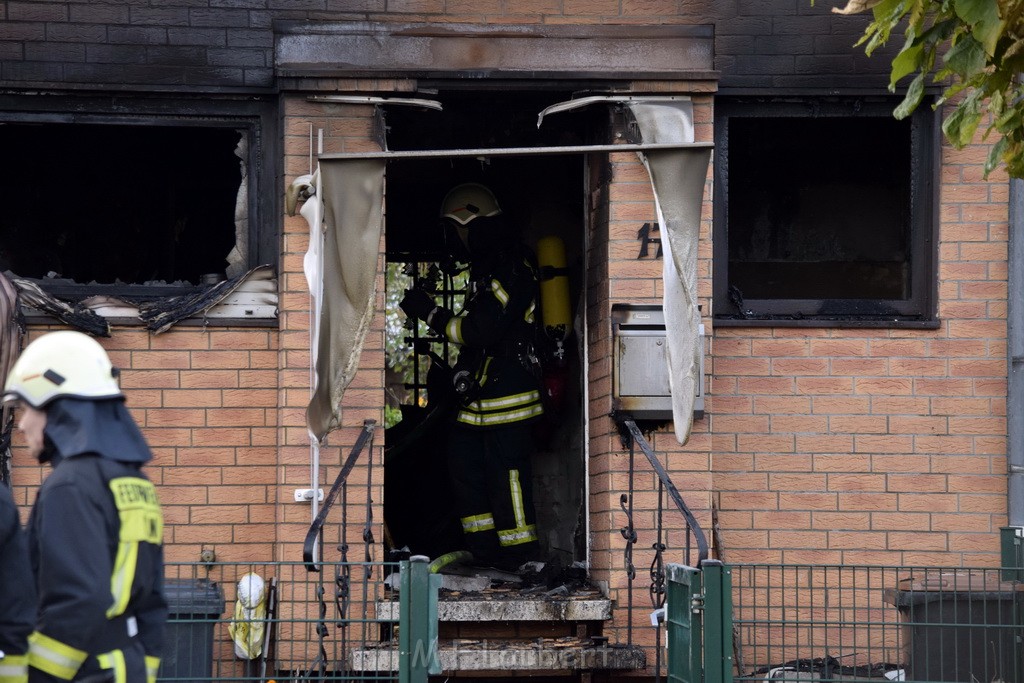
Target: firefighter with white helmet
96	528
490	442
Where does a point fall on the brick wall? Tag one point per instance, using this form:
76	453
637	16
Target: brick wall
876	446
206	45
206	400
632	280
346	128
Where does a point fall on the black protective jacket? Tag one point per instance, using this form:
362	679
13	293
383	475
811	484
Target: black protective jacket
95	540
17	594
496	330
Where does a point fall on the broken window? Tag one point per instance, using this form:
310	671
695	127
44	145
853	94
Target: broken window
118	203
114	208
824	211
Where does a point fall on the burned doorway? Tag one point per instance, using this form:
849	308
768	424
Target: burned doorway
542	195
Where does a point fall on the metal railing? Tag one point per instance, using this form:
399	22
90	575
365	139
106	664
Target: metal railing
303	633
315	532
694	537
855	623
319	619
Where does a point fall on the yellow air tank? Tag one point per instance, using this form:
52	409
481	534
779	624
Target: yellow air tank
556	313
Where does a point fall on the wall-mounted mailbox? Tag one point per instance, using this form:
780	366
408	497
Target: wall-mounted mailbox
639	366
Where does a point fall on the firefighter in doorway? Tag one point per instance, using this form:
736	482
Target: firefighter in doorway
96	528
495	378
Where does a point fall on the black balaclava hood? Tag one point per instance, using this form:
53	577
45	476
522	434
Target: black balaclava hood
490	239
106	428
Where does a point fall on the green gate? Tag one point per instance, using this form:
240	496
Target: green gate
699	623
844	623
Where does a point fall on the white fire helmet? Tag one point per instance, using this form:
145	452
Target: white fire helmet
468	201
62	364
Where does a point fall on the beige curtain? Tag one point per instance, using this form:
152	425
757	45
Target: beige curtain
341	267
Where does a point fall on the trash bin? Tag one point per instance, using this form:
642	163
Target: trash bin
194	606
962	626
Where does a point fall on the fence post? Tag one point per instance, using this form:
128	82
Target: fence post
417	621
718	637
1012	546
682	623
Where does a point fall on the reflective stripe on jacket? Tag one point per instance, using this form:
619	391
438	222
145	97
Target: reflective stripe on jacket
495	328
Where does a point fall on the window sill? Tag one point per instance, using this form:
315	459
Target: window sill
249	300
33	317
877	323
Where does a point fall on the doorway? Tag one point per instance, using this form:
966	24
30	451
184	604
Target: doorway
544	195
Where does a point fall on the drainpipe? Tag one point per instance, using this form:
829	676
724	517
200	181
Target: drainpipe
1013	535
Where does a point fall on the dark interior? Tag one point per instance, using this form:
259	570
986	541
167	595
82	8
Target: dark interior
813	214
117	203
543	195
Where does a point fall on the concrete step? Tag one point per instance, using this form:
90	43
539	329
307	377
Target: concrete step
543	655
499	626
512	607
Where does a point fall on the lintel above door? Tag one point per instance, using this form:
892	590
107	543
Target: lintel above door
479	51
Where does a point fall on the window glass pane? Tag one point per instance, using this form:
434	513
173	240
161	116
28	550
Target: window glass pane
819	208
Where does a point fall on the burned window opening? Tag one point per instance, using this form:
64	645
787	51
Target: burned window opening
805	223
824	212
123	204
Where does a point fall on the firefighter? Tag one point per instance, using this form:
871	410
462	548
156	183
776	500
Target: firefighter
96	528
17	594
490	443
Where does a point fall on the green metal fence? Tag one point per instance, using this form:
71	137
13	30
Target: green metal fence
338	623
844	623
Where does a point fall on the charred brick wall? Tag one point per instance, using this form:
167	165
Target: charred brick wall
788	45
210	45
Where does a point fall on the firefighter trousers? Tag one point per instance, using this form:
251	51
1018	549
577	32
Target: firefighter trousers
493	490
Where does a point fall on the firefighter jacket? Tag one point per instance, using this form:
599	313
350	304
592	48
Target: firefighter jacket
95	538
496	329
17	594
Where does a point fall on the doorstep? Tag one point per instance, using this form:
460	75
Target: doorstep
555	655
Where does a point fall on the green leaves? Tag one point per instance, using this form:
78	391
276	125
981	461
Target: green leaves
982	16
960	126
980	44
913	98
905	63
966	57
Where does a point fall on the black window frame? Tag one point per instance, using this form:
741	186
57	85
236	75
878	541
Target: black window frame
257	116
918	311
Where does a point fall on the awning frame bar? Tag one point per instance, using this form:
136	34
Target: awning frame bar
511	151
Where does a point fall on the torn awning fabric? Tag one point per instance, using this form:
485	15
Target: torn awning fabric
352	193
678	177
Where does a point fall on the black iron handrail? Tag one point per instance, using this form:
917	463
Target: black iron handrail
692	526
317	525
633	437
